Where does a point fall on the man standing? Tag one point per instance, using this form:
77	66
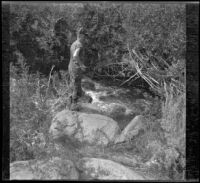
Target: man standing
76	68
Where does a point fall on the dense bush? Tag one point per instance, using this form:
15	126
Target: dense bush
44	34
32	33
174	122
29	115
104	26
159	28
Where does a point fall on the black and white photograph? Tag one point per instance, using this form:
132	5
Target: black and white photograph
97	90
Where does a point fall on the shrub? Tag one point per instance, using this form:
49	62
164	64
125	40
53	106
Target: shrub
174	122
163	142
168	148
44	34
29	115
174	119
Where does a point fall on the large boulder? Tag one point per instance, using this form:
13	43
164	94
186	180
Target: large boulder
103	169
113	110
90	108
132	129
91	128
53	169
132	161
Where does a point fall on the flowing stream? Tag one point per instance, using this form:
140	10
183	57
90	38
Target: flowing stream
120	103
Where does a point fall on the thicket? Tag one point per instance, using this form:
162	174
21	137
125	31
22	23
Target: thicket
43	34
40	36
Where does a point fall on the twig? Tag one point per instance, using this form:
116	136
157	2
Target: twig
165	63
139	70
129	78
49	79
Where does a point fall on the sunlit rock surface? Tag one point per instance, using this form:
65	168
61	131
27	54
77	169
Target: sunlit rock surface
132	129
103	169
92	128
52	169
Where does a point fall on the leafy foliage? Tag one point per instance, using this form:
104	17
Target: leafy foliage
44	34
29	115
174	120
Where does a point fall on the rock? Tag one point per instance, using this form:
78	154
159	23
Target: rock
113	110
98	128
64	122
55	168
107	106
92	128
90	108
132	129
20	170
103	169
123	159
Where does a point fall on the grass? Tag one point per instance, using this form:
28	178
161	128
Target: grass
174	126
30	114
163	139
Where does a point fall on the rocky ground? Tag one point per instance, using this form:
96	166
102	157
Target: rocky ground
100	133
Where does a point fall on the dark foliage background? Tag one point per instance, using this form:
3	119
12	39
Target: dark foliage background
44	33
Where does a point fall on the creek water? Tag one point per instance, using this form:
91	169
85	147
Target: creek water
120	103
